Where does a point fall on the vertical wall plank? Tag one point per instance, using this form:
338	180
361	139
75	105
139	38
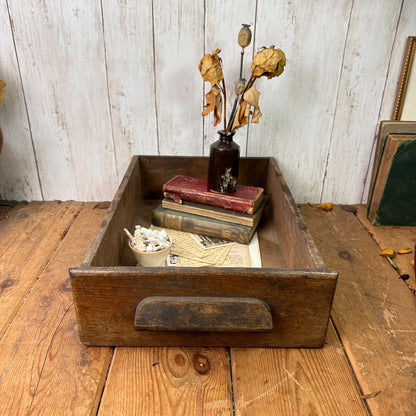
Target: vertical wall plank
98	94
368	49
222	24
406	27
61	54
128	34
298	106
179	45
18	173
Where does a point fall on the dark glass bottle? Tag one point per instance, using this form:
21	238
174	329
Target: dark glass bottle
224	160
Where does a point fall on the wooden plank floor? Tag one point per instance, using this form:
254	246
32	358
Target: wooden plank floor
367	367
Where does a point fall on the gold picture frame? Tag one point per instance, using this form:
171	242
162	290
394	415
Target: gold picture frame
405	101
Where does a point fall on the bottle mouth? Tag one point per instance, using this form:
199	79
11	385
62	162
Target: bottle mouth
226	133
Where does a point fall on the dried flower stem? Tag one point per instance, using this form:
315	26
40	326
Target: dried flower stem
232	113
237	96
249	84
225	104
241	63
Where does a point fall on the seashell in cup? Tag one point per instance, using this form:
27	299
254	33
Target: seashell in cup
150	247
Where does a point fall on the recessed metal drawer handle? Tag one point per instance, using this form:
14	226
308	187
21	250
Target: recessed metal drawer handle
200	313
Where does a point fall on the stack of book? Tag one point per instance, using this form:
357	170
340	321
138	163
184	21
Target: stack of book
189	206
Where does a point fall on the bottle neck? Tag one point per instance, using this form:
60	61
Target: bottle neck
226	136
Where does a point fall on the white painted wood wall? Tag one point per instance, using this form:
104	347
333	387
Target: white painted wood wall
93	82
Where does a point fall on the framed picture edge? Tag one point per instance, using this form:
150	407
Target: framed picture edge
407	63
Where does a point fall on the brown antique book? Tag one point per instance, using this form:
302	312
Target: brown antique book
196	224
217	213
188	188
389	127
392	199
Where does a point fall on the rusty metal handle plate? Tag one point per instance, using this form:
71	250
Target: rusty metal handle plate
200	313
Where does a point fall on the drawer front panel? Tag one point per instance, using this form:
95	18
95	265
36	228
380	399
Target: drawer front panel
299	305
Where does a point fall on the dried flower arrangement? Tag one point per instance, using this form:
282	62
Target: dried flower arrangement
269	62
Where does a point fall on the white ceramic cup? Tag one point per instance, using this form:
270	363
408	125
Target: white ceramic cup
151	258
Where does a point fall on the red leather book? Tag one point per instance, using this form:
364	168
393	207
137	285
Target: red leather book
188	188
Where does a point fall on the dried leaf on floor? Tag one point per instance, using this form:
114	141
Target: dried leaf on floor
327	206
406	250
387	252
370	395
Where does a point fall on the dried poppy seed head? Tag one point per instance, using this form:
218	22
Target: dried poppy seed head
239	88
244	36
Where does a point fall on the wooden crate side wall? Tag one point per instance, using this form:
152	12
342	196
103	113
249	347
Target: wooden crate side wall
155	171
110	241
296	242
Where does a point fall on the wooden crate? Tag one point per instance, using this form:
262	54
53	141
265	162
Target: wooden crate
286	303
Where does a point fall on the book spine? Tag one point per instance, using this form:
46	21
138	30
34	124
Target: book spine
201	225
209	211
380	181
207	199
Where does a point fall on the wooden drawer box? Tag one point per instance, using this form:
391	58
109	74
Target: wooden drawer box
289	298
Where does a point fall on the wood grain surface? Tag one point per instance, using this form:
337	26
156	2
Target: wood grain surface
302	93
175	381
200	313
18	168
396	238
92	83
61	67
353	127
30	236
129	56
374	311
178	47
44	369
72	374
271	381
365	368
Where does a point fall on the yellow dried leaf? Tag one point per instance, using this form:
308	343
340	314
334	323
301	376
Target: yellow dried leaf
412	263
210	67
406	250
2	93
251	96
240	119
327	206
214	103
269	62
387	252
